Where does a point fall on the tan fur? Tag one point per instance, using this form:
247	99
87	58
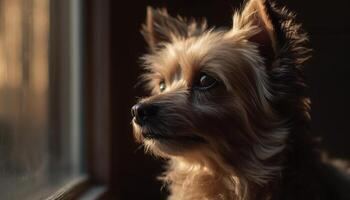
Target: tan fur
225	54
245	134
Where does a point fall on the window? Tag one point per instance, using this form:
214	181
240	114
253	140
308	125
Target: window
41	124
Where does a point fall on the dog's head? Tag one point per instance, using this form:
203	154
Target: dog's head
216	94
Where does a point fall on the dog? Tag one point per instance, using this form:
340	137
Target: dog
228	109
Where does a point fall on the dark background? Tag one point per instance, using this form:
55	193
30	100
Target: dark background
133	173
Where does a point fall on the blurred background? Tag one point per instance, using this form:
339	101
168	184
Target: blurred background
68	70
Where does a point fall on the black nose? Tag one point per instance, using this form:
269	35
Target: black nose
143	112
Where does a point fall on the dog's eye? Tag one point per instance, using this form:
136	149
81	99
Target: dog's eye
162	86
205	82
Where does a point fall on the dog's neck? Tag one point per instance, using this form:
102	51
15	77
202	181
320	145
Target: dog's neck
188	182
191	182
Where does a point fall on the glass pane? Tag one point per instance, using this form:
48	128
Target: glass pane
40	141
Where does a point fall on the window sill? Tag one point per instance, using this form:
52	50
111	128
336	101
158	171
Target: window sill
79	188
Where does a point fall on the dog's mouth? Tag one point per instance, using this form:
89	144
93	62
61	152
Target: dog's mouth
179	138
150	133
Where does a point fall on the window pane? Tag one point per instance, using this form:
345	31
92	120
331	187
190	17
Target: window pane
40	141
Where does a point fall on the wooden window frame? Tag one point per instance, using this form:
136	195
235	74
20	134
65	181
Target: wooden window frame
95	95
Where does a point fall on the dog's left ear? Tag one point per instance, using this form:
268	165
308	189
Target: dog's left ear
161	28
258	14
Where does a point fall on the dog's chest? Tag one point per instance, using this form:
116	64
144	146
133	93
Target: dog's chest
200	186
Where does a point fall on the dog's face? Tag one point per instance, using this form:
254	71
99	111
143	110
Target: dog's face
210	97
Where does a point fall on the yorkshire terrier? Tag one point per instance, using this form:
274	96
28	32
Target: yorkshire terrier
229	110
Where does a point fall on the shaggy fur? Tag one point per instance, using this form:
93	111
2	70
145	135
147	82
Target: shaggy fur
247	137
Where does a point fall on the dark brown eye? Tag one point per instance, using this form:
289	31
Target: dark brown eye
205	82
162	86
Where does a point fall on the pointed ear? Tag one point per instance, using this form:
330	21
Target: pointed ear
160	27
258	13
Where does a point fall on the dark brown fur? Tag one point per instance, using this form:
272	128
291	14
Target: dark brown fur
248	137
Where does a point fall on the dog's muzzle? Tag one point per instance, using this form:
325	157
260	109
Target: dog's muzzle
143	112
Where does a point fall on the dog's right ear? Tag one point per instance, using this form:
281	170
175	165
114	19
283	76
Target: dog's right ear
161	28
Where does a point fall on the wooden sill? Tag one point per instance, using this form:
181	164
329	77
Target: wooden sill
81	189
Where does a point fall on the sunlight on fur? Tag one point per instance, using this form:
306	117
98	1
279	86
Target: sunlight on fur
228	108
